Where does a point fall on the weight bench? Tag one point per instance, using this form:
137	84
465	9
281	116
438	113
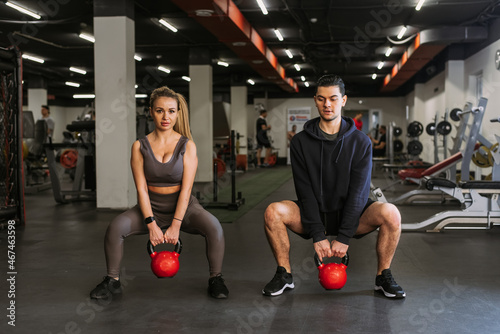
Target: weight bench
479	201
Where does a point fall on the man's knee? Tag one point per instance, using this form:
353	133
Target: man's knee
274	213
390	216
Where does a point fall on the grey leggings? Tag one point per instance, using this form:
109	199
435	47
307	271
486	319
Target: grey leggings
196	221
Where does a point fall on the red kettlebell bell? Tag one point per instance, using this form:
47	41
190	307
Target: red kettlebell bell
332	276
165	263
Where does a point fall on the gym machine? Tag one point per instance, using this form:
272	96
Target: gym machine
79	158
11	157
236	198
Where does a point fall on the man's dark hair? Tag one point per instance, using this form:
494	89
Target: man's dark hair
263	111
329	80
46	107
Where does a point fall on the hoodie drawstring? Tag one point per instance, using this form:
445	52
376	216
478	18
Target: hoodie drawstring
341	146
321	171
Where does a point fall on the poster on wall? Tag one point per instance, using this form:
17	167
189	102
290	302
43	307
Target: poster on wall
296	118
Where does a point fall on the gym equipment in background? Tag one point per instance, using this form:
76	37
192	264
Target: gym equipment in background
11	141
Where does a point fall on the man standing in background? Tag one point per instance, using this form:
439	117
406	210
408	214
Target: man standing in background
50	122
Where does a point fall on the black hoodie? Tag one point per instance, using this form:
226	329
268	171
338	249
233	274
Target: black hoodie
331	176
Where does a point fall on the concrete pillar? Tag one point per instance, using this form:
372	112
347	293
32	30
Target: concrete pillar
201	110
454	84
115	102
37	95
239	123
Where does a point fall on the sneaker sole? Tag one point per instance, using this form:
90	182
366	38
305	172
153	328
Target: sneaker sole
388	294
279	292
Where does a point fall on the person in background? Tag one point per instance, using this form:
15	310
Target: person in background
358	122
291	133
380	144
50	122
262	139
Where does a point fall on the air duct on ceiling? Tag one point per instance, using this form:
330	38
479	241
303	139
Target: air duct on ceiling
223	19
425	47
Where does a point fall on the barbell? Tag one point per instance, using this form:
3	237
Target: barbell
456	112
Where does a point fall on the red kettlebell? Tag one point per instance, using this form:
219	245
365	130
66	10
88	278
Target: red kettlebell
332	276
165	263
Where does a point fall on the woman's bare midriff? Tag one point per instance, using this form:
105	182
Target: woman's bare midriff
165	190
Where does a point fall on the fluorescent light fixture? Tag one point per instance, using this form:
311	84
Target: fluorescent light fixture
186	78
141	96
297	67
78	70
72	84
168	25
402	32
136	57
136	86
380	65
164	69
222	63
23	10
84	96
33	58
251	82
262	7
278	34
419	5
388	52
303	78
374	76
288	53
87	37
306	84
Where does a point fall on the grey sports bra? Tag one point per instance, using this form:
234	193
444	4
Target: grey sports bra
159	174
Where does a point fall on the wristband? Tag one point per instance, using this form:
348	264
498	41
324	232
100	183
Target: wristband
178	219
149	220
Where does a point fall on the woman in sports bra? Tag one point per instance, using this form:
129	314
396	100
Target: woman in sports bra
164	165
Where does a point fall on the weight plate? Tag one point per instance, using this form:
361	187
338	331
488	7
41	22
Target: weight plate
444	128
398	146
430	129
454	114
414	147
415	129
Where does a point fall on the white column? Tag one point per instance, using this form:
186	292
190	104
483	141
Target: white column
115	110
201	118
454	84
239	114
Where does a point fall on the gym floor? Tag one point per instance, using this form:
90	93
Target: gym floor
451	278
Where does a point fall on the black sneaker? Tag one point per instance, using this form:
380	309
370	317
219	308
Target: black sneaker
388	285
280	282
217	288
106	288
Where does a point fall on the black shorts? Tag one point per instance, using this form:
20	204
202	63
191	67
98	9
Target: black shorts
331	221
263	143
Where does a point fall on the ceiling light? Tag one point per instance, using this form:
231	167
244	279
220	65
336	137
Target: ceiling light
278	34
23	10
141	96
388	52
222	63
262	7
239	43
303	78
306	84
297	67
136	57
164	69
419	5
186	78
288	53
87	37
374	76
380	65
33	58
72	84
251	82
78	70
136	86
84	96
314	20
402	32
203	12
168	25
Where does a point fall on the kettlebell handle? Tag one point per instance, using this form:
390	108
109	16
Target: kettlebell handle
177	249
344	261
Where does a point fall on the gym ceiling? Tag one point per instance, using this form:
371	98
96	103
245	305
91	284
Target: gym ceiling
346	37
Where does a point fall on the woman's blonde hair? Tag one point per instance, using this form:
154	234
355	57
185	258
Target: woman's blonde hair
182	124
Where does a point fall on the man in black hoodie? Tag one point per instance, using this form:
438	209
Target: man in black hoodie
331	165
